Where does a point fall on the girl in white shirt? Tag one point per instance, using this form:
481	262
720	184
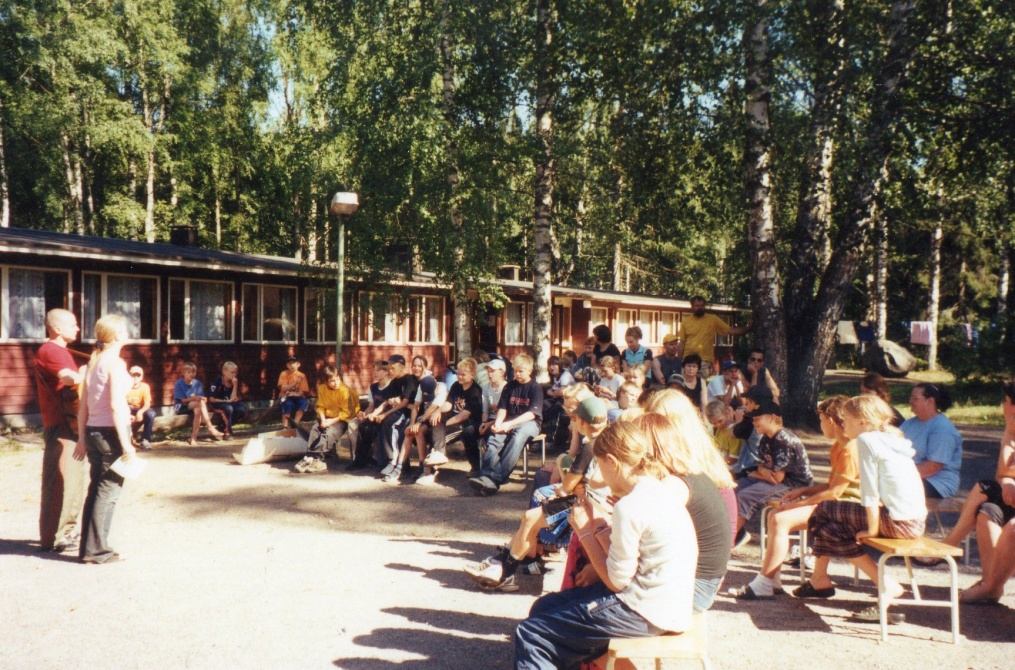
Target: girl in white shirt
646	563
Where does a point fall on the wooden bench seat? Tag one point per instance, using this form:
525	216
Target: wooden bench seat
692	645
922	547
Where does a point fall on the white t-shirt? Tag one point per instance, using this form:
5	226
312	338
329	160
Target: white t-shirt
654	551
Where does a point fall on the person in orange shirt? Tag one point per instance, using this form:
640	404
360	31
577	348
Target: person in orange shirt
293	393
139	399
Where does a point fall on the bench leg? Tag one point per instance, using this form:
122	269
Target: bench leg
912	579
954	597
883	600
802	534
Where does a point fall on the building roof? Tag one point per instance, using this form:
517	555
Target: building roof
68	245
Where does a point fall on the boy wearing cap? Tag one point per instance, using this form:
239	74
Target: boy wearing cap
293	392
519	414
496	375
782	465
401	393
728	385
669	362
139	399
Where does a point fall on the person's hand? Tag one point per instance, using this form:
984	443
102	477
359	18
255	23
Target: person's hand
499	427
579	517
586	577
79	450
136	418
435	419
860	535
412	429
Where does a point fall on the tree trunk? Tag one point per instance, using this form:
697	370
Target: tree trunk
618	267
811	247
766	299
542	253
149	212
934	302
5	197
809	357
1003	282
312	239
459	289
73	217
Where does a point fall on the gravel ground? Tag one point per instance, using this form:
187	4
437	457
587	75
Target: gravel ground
251	567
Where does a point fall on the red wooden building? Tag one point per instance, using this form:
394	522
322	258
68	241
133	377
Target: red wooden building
185	303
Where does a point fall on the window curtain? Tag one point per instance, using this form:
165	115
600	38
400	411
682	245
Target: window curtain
208	310
123	297
27	304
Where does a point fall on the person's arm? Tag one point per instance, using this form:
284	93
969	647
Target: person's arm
596	539
657	372
79	450
498	423
146	401
119	384
929	468
704	395
873	524
772	386
69	377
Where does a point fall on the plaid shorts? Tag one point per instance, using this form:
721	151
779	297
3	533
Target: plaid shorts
835	523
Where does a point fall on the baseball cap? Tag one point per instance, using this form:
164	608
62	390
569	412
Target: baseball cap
497	363
135	368
726	365
672	337
759	394
396	358
675	378
766	407
591	410
292	359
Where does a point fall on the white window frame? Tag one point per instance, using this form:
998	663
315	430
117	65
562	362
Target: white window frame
103	276
724	340
593	321
260	304
443	325
650	330
366	315
5	317
665	316
186	310
616	330
525	319
350	303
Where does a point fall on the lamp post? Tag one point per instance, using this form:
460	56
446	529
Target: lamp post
343	204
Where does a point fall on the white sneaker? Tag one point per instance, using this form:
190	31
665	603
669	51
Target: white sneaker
428	480
315	466
487	574
435	458
304	463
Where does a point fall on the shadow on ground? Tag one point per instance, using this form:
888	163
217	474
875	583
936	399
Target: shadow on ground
31	548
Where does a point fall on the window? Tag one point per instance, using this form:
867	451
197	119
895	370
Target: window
379	318
598	315
648	322
136	298
426	319
319	315
668	323
514	323
200	311
269	313
27	296
724	340
625	319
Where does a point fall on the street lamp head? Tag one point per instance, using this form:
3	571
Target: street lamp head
344	203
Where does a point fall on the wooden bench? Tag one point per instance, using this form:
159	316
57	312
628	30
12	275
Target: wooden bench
692	645
922	547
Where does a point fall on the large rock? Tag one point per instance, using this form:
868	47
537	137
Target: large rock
889	359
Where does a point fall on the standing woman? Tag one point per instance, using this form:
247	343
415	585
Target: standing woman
104	430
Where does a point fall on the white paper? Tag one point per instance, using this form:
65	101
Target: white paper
129	468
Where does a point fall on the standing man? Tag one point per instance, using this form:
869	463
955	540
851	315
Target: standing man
698	330
63	478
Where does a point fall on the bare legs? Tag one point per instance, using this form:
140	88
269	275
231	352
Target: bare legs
199	408
967	517
780	525
524	543
997	555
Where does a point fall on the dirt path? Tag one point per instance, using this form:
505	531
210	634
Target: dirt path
250	567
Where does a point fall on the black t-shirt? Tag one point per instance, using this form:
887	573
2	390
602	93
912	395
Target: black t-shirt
711	526
693	394
468	400
403	387
518	398
378	395
670	365
429	387
220	391
610	350
583	461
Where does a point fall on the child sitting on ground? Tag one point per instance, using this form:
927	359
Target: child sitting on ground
189	398
609	381
293	395
139	399
336	406
224	398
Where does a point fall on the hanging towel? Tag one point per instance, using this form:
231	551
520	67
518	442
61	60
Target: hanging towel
846	333
920	332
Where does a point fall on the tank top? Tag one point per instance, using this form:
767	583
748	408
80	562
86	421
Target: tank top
694	394
670	365
97	391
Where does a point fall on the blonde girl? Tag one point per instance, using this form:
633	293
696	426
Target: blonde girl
104	430
892	499
645	563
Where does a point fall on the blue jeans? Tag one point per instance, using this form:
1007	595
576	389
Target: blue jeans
293	404
231	412
147	423
564	629
503	450
104	448
704	593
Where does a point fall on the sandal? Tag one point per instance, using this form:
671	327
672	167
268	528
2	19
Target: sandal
807	590
873	614
745	592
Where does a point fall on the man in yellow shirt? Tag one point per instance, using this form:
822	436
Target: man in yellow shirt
336	406
698	330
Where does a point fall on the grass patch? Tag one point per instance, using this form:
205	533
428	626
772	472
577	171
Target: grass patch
975	401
